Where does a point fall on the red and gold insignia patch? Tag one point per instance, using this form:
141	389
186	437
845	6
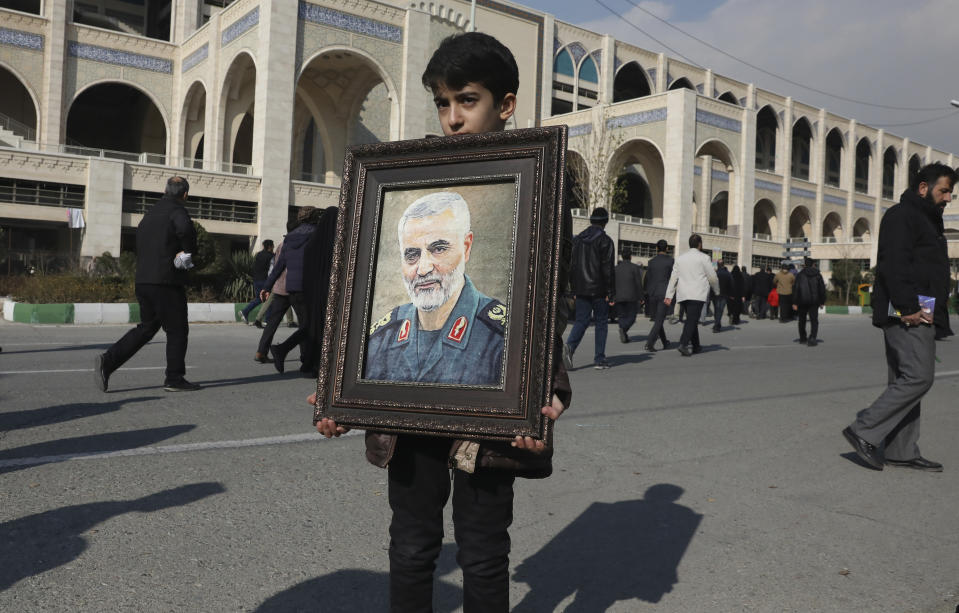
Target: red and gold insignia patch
458	330
404	331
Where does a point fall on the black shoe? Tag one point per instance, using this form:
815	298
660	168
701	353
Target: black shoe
866	451
698	349
811	342
601	365
278	357
181	385
258	323
685	351
623	338
650	348
665	344
262	359
100	374
802	340
716	329
919	463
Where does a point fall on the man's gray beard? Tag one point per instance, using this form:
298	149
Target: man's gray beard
430	300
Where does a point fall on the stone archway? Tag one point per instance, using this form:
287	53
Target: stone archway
861	231
237	110
631	82
116	116
832	228
800	223
19	104
193	124
764	219
718	173
638	166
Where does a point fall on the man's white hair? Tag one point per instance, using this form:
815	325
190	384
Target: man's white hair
433	204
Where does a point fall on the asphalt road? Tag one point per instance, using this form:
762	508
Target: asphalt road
713	483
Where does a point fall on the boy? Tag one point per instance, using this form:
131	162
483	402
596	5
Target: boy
474	80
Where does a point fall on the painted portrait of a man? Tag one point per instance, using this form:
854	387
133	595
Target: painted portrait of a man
449	331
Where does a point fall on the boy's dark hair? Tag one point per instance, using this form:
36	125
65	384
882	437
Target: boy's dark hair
177	187
807	262
696	241
930	173
626	256
662	246
473	57
267	244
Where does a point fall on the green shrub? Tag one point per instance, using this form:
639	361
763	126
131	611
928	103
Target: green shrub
66	288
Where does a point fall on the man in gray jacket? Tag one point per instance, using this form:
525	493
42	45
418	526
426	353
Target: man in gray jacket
629	293
692	277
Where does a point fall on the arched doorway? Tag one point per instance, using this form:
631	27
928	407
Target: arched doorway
719	211
680	83
766	127
17	105
718	166
630	82
834	150
118	117
889	162
342	98
832	228
193	122
802	146
638	167
579	175
863	158
764	219
860	230
239	95
729	97
915	164
799	223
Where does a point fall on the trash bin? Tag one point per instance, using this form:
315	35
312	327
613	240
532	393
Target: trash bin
865	297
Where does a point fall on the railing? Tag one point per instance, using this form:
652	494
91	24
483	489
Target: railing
711	230
17	127
860	239
629	218
310	177
160	159
43	194
762	237
198	207
830	239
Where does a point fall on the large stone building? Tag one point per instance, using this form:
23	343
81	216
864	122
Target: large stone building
254	102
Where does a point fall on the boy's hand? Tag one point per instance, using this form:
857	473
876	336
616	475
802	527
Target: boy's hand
553	412
326	426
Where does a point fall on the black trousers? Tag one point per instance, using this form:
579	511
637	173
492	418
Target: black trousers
660	316
813	311
785	307
161	306
735	309
694	309
626	314
419	486
300	337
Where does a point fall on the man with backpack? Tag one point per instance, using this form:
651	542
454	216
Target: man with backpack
593	279
809	293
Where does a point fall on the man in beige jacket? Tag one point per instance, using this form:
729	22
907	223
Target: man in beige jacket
692	277
783	281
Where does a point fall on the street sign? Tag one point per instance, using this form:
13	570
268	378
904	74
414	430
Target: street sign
796	254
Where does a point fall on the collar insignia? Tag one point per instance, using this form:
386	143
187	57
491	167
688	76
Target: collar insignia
404	331
458	329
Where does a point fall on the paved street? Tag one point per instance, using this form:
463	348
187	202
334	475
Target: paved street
713	483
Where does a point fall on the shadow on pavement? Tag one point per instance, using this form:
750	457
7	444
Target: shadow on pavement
61	450
613	552
37	543
103	346
63	412
353	590
232	381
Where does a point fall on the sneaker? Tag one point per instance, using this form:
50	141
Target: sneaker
567	356
100	374
181	385
811	342
258	323
243	316
601	365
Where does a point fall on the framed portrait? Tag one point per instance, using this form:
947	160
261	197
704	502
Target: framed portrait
444	286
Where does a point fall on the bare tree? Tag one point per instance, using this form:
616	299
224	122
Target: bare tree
592	185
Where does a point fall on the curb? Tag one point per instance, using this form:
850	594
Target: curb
119	313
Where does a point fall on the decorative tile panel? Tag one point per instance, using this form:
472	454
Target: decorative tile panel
577	50
833	199
864	206
353	23
718	121
240	26
802	193
637	119
195	58
768	185
700	87
944	217
580	130
120	58
556	45
720	175
597	57
652	76
697	171
16	38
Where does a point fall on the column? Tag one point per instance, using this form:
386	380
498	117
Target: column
415	100
786	163
680	156
849	181
546	82
103	208
816	174
52	123
875	184
607	70
706	191
662	74
212	122
746	181
186	19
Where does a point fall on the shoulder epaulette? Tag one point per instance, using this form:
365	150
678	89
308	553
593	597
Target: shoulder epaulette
382	322
493	314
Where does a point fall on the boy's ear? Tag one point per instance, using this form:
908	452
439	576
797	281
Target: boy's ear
507	107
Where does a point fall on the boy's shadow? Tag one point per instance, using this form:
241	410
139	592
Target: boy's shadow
612	552
345	591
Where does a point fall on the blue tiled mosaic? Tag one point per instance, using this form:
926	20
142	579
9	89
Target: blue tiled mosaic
802	193
652	75
720	175
833	199
864	206
580	130
944	217
195	58
577	50
700	88
637	119
556	45
718	121
768	185
697	171
120	58
27	40
597	57
240	26
353	23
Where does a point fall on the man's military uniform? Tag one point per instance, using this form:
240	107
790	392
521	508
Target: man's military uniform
468	349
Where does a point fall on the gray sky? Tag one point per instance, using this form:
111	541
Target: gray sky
889	52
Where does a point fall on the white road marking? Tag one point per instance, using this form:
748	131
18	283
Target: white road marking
143	451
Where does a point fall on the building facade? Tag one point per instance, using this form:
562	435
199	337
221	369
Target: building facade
255	102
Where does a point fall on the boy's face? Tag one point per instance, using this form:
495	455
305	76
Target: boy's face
471	110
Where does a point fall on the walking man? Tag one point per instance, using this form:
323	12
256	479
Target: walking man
909	262
261	270
692	278
594	283
809	293
762	285
165	244
658	270
720	298
629	293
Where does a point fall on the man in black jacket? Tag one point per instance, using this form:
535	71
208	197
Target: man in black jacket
907	271
593	278
629	293
809	293
724	295
762	285
261	270
165	235
658	270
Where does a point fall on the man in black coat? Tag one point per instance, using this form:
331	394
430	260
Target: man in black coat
809	293
629	292
261	270
908	270
658	270
762	285
165	243
593	279
724	295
